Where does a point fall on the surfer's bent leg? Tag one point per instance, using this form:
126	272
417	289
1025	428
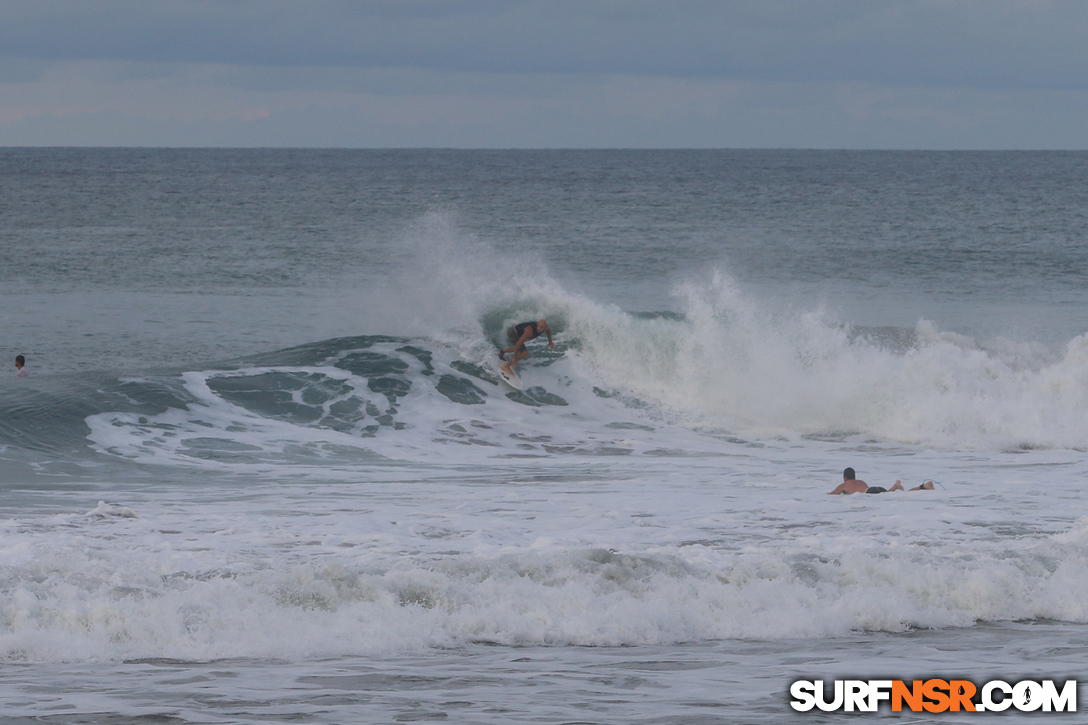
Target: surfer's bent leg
520	353
512	334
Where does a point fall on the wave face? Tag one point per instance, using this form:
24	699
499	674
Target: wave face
724	365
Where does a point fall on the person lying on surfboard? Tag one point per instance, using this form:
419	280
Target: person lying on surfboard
851	484
519	334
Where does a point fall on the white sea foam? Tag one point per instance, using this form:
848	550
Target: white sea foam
678	550
734	364
733	361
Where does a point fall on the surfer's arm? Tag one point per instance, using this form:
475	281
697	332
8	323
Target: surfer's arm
551	344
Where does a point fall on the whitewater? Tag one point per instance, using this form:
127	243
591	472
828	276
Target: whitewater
264	469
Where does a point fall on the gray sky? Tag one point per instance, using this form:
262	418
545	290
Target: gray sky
931	74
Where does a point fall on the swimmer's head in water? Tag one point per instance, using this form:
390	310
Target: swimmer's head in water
849	475
20	361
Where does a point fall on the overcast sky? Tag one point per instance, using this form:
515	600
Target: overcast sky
928	74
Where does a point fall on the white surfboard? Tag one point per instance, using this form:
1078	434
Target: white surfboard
510	378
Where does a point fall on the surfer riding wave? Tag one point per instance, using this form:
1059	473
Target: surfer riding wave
519	334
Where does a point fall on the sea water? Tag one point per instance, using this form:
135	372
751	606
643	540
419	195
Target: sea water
263	468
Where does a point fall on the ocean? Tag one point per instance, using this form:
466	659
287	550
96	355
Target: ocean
263	469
